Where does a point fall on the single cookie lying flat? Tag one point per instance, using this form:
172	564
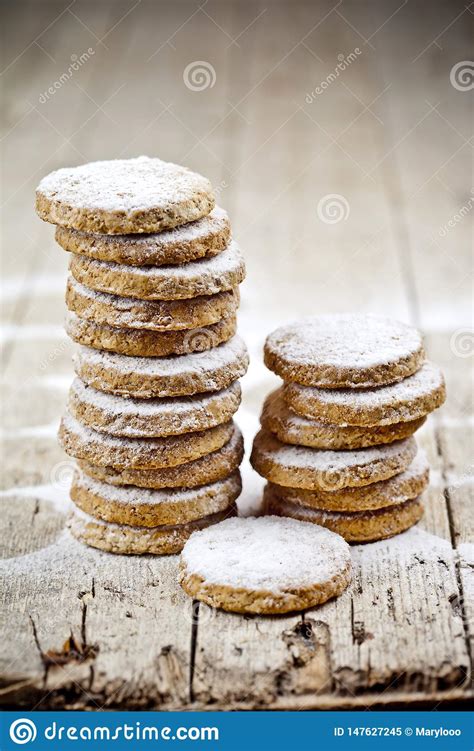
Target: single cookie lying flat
152	508
208	468
290	427
150	418
302	467
362	526
146	343
156	315
104	450
124	196
205	277
264	565
410	399
129	540
337	351
144	377
200	239
398	489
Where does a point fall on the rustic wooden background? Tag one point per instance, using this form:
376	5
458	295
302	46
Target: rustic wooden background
278	133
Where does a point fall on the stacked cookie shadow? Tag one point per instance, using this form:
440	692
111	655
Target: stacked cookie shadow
152	298
336	444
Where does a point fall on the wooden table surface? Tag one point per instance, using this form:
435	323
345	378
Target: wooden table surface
280	130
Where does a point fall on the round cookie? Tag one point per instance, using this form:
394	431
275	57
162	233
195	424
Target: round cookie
405	401
150	418
338	351
362	526
264	565
396	490
152	508
105	450
145	377
146	343
156	315
124	196
200	239
312	469
128	540
209	468
291	428
207	276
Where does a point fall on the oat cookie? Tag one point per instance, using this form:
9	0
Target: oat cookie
150	418
212	467
104	450
146	343
124	196
128	540
156	315
152	508
361	526
392	492
290	427
264	565
207	276
405	401
338	351
200	239
145	378
313	469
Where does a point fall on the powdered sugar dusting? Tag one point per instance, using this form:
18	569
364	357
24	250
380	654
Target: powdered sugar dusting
134	446
229	261
267	553
321	460
124	185
347	341
183	408
216	221
202	363
130	495
425	381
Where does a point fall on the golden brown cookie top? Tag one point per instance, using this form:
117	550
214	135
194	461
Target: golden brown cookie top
204	237
123	196
409	399
347	350
265	553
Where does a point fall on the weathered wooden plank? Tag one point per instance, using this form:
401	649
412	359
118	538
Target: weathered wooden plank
82	627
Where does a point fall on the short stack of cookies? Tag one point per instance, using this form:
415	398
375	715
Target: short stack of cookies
152	298
336	443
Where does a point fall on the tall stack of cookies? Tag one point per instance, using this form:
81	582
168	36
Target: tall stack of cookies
152	298
336	444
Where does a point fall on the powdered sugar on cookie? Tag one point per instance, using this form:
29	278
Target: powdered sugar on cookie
124	196
408	399
355	350
268	553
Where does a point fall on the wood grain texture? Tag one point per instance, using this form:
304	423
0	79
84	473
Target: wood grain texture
390	134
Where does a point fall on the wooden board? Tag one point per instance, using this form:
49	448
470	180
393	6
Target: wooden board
390	135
